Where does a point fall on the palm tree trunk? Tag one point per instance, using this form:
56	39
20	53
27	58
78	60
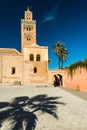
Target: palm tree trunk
59	62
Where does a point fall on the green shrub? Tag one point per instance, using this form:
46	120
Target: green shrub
81	64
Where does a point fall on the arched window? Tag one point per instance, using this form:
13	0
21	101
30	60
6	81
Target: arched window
37	57
31	57
13	70
35	70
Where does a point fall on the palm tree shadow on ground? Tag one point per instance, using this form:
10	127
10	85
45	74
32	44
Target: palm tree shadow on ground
21	111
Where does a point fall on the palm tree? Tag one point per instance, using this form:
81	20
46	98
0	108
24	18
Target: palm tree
61	52
57	49
64	55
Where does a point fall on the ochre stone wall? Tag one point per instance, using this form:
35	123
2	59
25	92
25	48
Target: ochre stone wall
42	65
31	77
9	62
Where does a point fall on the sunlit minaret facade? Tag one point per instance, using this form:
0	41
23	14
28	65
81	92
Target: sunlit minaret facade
28	30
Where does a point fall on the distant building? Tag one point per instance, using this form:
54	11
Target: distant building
29	66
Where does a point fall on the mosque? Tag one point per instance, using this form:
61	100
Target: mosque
31	64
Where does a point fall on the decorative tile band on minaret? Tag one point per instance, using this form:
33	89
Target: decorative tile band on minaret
28	22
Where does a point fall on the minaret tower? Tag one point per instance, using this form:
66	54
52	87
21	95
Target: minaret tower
28	30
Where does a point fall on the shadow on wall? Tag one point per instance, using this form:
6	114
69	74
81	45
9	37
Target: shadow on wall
58	80
21	111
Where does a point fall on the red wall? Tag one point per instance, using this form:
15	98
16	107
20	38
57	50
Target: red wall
78	81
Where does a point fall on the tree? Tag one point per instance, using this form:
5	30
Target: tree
64	56
61	52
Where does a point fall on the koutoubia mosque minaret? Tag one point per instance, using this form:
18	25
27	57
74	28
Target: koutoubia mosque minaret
28	30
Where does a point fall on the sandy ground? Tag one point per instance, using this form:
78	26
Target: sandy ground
71	110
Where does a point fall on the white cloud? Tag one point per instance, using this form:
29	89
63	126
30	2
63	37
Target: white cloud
50	16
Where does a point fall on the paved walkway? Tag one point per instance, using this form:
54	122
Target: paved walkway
71	110
81	94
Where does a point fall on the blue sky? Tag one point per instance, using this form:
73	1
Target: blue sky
57	20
